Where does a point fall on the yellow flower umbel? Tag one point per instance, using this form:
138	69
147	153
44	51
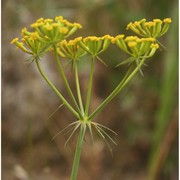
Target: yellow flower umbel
31	43
47	32
137	48
95	45
71	49
55	30
134	46
154	29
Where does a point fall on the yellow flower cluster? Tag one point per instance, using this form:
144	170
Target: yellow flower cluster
51	33
55	29
71	49
76	48
95	45
47	32
155	28
31	43
136	47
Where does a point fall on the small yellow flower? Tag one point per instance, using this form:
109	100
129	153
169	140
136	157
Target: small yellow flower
132	44
118	37
14	40
91	38
167	20
149	24
34	36
77	25
63	30
157	21
136	23
48	27
24	31
58	18
55	24
48	20
36	24
77	39
107	37
24	38
131	38
40	20
154	46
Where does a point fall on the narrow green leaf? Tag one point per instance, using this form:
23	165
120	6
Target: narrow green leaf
126	61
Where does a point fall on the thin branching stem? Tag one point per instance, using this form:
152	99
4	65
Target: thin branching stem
66	82
55	89
78	89
89	88
121	85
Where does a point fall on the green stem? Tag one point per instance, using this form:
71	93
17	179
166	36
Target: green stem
120	86
66	82
89	88
78	89
78	152
55	90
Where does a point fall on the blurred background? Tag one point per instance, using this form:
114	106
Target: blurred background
144	114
